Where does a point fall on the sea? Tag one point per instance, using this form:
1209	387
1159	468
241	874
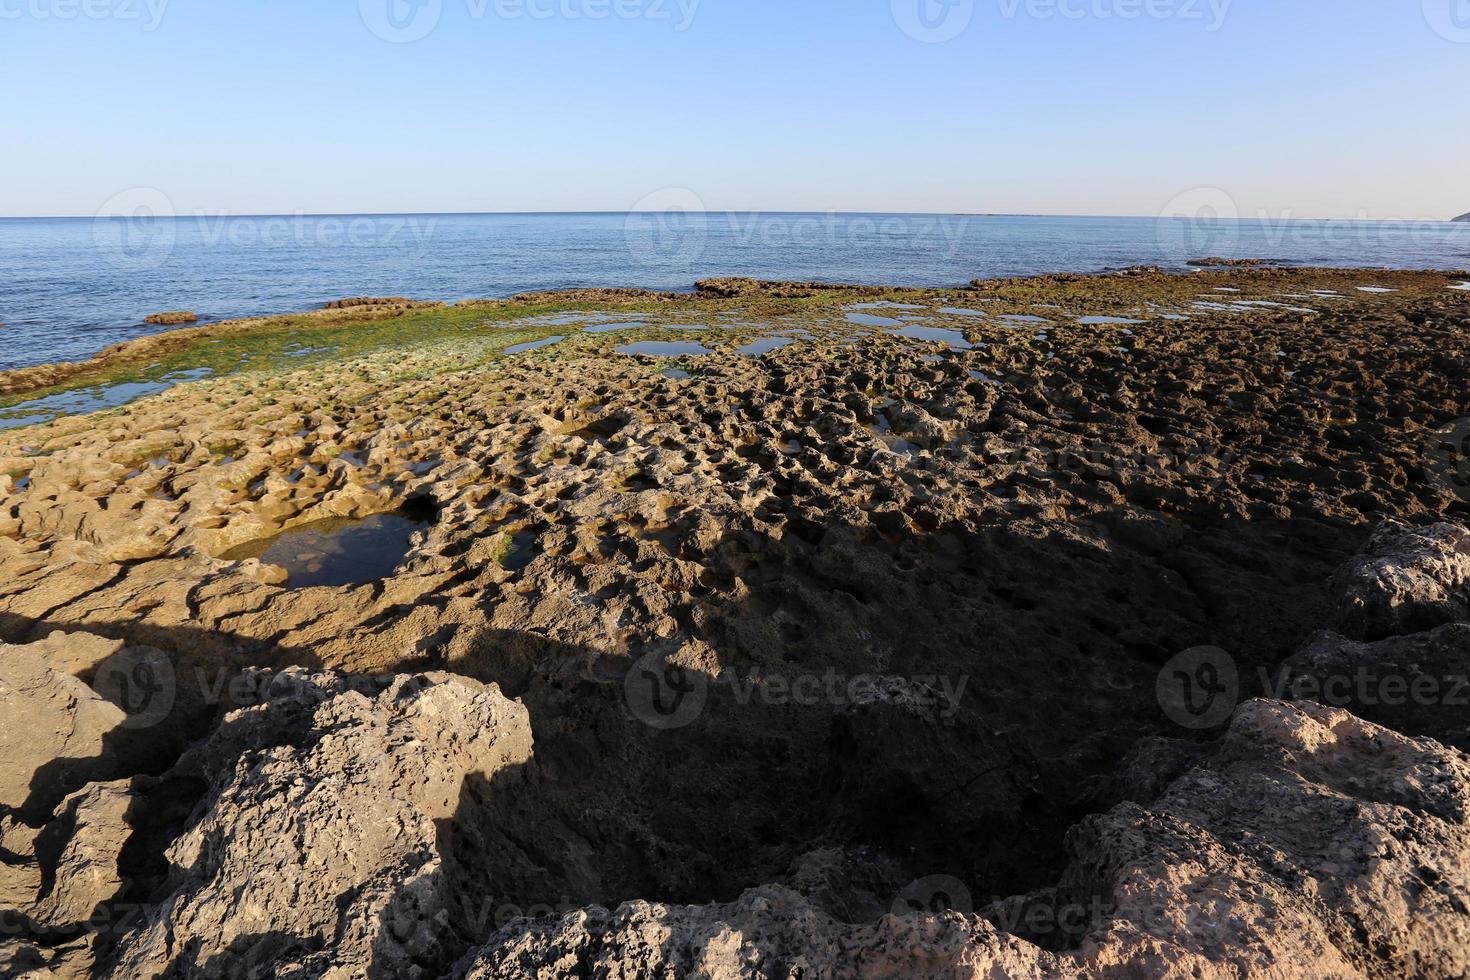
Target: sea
72	286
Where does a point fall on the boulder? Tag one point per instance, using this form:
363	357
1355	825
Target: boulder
171	318
316	851
1417	684
1409	579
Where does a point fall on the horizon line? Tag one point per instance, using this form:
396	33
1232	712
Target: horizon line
730	211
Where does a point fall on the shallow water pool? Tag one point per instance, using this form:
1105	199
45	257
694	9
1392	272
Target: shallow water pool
868	320
339	551
81	401
534	345
610	327
765	345
954	338
664	348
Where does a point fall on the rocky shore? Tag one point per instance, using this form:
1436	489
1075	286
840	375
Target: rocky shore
1111	626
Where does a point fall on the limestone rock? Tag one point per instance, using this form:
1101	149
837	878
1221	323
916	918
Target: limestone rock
1417	684
172	318
53	728
88	833
316	849
1310	843
1408	580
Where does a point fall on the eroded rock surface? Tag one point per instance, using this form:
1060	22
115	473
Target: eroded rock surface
316	850
1409	579
1310	843
53	728
861	624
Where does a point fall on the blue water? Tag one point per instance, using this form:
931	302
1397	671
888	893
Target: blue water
81	401
71	286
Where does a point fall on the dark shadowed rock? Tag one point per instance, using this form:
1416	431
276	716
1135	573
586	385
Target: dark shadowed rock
1408	579
1417	684
1272	858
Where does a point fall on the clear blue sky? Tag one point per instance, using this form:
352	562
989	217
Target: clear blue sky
1316	107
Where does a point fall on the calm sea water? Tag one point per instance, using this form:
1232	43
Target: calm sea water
71	286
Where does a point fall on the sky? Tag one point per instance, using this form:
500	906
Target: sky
1289	108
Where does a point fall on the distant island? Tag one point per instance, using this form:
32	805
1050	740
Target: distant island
1463	217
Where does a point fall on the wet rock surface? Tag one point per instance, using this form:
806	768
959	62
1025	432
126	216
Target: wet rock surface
707	674
172	318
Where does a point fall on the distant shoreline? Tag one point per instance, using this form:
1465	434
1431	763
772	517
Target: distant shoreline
164	347
219	212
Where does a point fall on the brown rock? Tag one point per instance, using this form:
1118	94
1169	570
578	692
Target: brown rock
53	729
361	301
317	852
173	318
1408	580
1309	844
